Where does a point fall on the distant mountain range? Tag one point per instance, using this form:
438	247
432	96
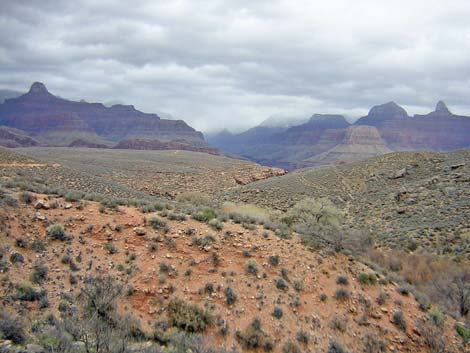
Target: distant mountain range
331	139
40	118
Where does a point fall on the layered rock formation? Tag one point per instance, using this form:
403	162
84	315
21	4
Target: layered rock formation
143	144
41	113
327	139
360	142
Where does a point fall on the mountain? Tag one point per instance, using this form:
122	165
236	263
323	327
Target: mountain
56	121
438	130
328	139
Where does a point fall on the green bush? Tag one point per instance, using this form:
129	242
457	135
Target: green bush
26	292
342	280
254	337
368	279
37	245
463	332
57	231
157	223
188	317
39	273
277	312
204	216
251	267
281	284
274	260
230	296
341	294
291	347
11	328
335	347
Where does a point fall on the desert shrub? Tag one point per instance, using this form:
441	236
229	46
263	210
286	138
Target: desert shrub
423	301
341	294
246	213
405	289
374	345
57	231
118	227
251	267
463	332
399	320
319	221
188	317
285	273
253	337
437	317
74	196
189	231
26	292
230	296
281	284
39	273
16	258
21	242
298	285
156	223
194	198
291	347
277	312
274	260
146	208
216	224
204	241
323	297
342	280
204	216
382	298
303	337
26	197
110	248
7	200
11	328
367	278
335	347
339	322
37	245
176	216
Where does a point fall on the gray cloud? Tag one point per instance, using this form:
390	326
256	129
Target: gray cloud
231	64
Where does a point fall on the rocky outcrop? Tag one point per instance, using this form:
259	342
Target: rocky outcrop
360	142
15	138
39	112
86	144
381	114
142	144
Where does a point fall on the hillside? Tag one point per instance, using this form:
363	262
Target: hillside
402	196
136	174
236	287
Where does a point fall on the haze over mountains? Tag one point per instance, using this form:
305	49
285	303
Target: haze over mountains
331	139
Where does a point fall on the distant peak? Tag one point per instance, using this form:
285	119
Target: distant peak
441	107
38	87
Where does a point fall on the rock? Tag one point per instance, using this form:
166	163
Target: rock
456	166
34	348
41	204
68	206
399	174
40	217
139	231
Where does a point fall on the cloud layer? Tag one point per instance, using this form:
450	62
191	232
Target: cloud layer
232	64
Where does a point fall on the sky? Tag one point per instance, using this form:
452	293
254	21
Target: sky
232	64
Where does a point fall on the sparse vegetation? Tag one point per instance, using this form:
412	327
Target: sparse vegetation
188	317
57	231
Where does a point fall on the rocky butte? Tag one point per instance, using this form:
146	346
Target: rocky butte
55	121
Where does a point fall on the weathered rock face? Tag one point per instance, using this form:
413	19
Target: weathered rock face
142	144
39	112
360	142
438	130
87	144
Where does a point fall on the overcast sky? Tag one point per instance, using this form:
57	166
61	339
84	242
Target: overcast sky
232	64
